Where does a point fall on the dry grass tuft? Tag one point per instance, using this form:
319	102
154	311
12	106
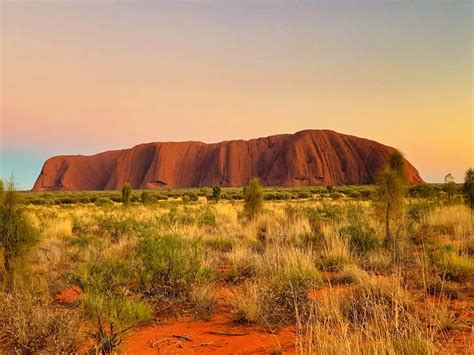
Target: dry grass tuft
29	323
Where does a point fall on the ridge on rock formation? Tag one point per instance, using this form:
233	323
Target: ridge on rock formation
310	157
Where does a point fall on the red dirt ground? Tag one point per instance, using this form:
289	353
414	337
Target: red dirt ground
69	295
219	335
460	340
223	336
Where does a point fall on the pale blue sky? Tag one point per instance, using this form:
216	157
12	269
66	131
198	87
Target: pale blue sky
83	77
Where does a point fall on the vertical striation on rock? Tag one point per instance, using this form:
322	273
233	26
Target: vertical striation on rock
310	157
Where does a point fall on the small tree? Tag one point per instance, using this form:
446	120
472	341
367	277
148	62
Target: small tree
253	197
468	188
126	193
397	165
17	235
145	197
216	193
392	190
450	186
193	196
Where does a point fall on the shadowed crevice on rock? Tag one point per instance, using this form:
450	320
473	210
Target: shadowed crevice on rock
310	157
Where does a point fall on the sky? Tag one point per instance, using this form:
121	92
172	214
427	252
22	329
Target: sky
80	77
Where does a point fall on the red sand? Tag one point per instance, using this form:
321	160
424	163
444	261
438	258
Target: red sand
222	336
311	157
69	295
460	340
200	337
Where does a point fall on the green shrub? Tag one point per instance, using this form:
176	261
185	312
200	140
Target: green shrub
17	235
103	201
330	212
117	226
362	239
468	188
84	199
106	276
314	218
113	317
222	244
422	191
456	267
193	197
416	211
332	262
38	201
336	195
145	197
354	194
304	194
366	193
361	236
204	192
170	265
66	200
115	198
253	196
287	276
269	196
84	241
206	218
160	196
237	196
216	193
126	193
283	196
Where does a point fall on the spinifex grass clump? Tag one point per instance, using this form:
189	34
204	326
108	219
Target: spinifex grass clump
375	316
278	293
334	251
449	262
362	237
31	323
103	201
103	276
316	264
114	316
110	300
170	265
117	225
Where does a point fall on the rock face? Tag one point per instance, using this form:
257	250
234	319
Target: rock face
310	157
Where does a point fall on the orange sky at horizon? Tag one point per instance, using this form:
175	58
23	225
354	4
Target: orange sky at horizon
97	76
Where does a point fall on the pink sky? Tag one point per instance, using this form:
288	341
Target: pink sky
90	76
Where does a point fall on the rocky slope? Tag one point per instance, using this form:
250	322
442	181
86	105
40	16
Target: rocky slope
310	157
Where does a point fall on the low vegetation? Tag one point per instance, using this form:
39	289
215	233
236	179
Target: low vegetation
308	259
